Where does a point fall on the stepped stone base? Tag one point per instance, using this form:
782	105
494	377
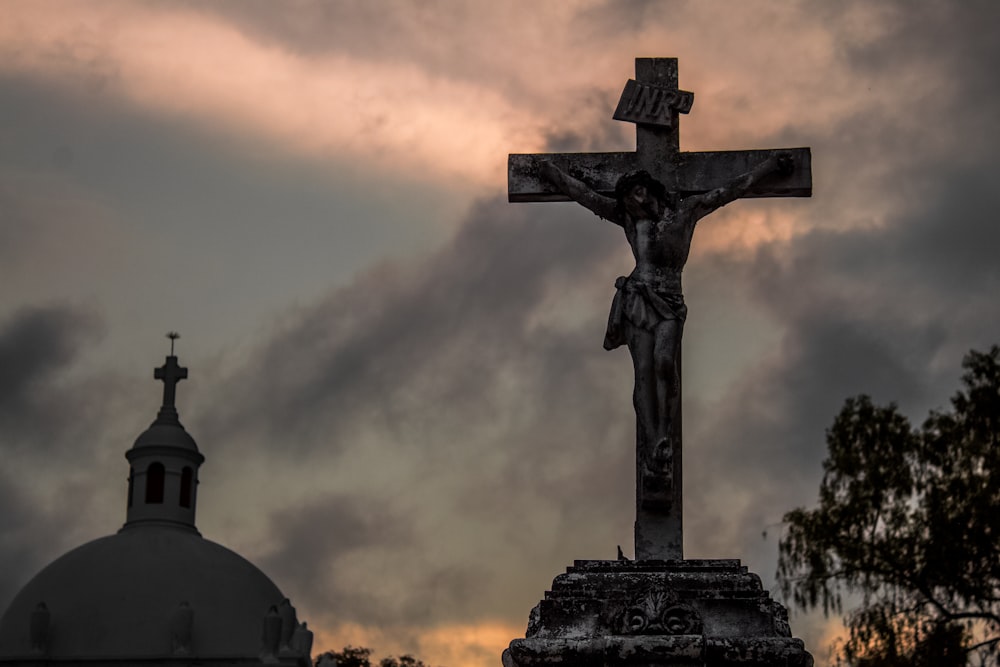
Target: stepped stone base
683	613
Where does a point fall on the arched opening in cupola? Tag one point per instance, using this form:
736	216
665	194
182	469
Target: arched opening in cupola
186	477
154	483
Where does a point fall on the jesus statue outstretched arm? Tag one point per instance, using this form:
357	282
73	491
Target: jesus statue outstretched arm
577	190
698	206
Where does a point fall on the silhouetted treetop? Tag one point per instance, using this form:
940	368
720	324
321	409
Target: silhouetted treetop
907	521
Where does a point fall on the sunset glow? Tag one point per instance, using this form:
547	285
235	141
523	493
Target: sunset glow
397	377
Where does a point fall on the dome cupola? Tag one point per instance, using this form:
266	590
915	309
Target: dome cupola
164	461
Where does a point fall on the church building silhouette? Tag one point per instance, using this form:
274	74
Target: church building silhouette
156	592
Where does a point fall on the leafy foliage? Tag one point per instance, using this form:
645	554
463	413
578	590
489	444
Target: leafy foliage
908	521
404	660
354	656
351	656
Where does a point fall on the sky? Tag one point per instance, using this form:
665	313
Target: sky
396	376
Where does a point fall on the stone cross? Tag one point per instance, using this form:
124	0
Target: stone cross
706	180
171	373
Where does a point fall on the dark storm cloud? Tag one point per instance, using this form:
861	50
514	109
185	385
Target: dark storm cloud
947	33
37	344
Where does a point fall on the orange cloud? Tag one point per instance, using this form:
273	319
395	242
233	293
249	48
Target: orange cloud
413	117
747	226
182	64
832	634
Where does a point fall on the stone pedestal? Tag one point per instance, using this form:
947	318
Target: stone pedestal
683	613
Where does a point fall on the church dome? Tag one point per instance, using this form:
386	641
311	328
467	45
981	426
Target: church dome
116	597
156	591
165	435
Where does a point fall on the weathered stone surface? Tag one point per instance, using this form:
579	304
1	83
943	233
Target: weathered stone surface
645	613
696	172
652	105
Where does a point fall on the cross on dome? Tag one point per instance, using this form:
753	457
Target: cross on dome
170	373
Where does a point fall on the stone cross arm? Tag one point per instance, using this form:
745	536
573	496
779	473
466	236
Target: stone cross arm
695	173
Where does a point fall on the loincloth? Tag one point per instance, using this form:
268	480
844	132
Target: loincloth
641	306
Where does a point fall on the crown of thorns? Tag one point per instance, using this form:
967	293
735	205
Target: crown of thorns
643	178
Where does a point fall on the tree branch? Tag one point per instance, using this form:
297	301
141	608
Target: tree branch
970	649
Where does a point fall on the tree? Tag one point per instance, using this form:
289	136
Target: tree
355	656
351	656
404	660
907	522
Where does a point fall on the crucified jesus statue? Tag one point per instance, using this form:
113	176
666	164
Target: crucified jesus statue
648	310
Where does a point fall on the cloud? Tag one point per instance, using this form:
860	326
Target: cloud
447	323
37	345
312	554
177	63
443	414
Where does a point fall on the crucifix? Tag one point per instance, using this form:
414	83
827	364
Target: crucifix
656	194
